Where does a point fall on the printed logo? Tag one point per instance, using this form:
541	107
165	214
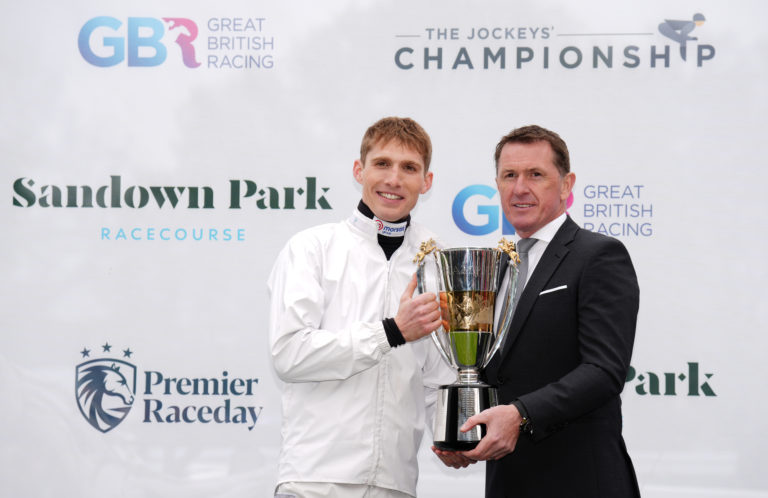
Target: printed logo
546	47
686	383
485	218
388	229
473	215
617	210
105	389
143	36
226	43
678	31
185	38
114	194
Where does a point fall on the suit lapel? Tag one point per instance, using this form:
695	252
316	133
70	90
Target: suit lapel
554	255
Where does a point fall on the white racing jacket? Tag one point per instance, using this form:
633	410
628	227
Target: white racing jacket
354	409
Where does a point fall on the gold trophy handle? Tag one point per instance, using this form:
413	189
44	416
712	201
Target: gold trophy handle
421	259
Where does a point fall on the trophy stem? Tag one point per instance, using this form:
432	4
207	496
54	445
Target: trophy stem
469	376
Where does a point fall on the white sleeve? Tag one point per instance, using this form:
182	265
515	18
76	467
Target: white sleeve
435	373
302	351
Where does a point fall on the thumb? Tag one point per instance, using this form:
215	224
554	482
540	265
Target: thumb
472	422
409	290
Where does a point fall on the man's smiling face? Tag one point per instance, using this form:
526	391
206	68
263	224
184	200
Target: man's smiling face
533	192
392	177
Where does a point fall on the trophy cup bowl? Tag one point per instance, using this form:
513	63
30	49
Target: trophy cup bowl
476	313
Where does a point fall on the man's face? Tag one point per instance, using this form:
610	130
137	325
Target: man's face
392	177
530	186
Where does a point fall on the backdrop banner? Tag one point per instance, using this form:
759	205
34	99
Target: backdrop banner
157	156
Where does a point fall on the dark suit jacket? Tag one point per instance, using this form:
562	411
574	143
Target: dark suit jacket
566	358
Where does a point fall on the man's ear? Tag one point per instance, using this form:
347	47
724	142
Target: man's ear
567	186
357	171
427	183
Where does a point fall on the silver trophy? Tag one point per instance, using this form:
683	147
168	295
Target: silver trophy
468	282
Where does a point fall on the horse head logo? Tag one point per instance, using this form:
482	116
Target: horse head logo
105	391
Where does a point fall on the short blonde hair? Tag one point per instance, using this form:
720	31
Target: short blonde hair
403	130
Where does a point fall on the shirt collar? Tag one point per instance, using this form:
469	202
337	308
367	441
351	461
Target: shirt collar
391	229
548	231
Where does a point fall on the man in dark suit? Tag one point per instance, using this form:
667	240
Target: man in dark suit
557	430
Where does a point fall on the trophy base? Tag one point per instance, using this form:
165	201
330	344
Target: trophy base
456	445
455	404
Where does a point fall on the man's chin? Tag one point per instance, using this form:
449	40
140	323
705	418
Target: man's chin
386	214
391	213
521	228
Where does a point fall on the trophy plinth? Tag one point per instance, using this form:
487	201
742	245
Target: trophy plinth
468	281
455	404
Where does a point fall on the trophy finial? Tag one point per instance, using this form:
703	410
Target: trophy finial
508	247
424	249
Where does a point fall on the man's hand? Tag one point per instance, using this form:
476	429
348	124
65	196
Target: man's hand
417	316
502	424
454	459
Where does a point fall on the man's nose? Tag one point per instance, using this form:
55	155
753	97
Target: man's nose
394	176
520	186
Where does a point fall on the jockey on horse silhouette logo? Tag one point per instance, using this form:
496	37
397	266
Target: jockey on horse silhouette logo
678	30
105	389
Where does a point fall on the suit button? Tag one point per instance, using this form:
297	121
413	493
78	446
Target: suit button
500	379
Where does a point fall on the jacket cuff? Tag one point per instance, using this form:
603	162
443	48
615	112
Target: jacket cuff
394	336
382	343
526	426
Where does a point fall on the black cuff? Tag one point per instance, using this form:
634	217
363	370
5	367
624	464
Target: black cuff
394	336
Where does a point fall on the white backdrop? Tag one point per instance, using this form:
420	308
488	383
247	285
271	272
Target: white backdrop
667	152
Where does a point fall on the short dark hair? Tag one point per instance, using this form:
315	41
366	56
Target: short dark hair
404	130
533	133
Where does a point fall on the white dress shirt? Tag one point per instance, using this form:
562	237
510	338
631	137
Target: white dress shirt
543	236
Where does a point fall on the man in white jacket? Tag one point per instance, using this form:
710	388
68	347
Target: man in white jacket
347	334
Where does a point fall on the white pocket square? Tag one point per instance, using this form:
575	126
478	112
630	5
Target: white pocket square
553	289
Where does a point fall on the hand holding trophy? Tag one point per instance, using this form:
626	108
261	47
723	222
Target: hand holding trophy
468	281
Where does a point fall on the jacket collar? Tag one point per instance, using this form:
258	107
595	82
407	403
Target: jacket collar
364	224
369	229
553	256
